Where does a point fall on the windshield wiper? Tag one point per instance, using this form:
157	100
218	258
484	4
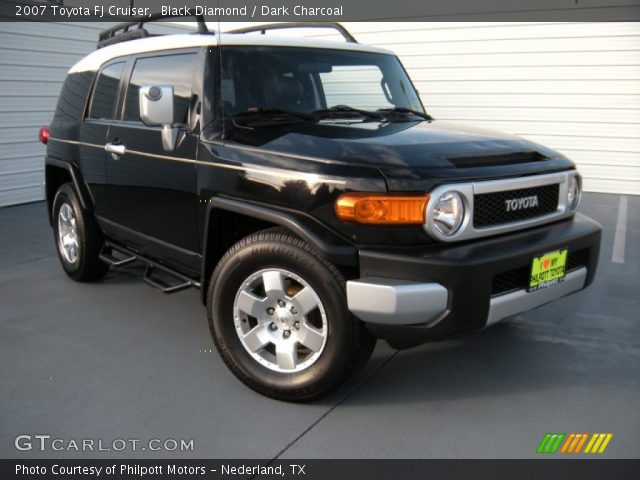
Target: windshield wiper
406	111
267	117
338	110
273	112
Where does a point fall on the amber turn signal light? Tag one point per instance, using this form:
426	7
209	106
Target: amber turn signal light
381	209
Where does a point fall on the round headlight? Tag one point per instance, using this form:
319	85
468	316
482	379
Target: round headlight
448	213
574	192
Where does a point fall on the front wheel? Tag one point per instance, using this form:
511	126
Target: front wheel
279	318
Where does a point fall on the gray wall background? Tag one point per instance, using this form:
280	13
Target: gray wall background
34	59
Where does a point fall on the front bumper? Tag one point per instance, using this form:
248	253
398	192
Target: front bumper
410	296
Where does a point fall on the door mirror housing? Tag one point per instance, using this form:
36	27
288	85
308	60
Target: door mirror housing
156	105
156	109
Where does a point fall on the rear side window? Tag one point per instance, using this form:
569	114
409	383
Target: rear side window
176	70
104	95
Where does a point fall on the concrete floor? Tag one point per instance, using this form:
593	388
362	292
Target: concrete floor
118	360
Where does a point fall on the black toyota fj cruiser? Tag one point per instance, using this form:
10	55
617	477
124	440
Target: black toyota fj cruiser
303	188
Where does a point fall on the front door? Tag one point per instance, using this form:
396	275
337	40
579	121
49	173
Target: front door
152	200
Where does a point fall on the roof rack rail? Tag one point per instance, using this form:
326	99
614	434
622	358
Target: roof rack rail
123	32
279	26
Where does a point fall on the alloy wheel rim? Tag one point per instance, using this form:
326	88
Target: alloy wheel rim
280	320
67	233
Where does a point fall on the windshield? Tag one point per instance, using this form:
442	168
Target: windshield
312	81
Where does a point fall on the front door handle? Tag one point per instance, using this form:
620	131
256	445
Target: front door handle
116	151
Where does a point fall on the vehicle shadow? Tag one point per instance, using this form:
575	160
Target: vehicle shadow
125	275
508	358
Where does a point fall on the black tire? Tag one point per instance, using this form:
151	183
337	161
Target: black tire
87	265
348	343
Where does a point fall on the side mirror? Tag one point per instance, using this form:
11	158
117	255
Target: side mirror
156	108
156	105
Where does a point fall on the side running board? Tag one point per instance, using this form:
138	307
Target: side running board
108	257
163	285
156	275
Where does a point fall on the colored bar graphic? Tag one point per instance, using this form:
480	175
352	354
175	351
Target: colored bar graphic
605	443
581	442
591	442
574	442
565	447
543	443
598	443
550	442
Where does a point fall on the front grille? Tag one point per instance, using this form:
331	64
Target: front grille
518	278
578	259
515	279
490	209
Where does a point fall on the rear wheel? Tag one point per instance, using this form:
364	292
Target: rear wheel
279	318
78	238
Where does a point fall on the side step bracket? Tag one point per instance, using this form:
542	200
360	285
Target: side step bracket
108	257
163	285
156	275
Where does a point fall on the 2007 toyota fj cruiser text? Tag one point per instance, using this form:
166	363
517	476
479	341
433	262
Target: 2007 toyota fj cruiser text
304	189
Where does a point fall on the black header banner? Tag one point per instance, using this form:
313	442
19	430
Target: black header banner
323	10
318	469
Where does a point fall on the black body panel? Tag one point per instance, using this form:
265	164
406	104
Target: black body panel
284	181
91	157
422	153
368	157
467	270
330	245
149	193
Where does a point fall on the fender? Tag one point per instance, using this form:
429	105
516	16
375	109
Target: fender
79	185
331	246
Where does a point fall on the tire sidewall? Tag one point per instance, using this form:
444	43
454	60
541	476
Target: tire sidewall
269	254
67	195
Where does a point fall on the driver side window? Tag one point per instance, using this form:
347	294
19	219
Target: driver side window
176	70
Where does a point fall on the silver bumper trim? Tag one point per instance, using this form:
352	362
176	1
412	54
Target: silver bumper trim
396	302
511	304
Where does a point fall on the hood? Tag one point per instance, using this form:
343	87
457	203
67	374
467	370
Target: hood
405	151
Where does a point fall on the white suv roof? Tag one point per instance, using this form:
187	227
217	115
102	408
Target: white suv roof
94	60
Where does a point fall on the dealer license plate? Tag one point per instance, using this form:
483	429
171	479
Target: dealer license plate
548	269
